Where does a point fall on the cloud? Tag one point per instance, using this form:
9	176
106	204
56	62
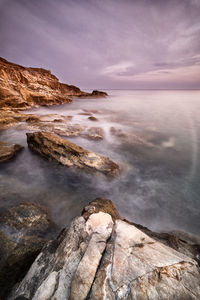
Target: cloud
105	44
119	68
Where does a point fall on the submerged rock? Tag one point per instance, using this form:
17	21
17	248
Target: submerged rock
94	133
8	150
92	118
63	151
57	126
104	257
24	229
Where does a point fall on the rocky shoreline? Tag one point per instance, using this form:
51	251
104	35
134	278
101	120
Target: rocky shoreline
22	88
100	255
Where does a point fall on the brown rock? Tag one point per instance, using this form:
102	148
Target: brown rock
99	93
92	118
9	118
63	151
94	133
23	88
8	150
103	205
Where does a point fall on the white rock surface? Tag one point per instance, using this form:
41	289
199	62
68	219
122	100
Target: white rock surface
98	259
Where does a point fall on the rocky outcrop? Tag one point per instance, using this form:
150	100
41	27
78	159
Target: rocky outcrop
8	150
101	256
69	154
23	88
24	229
9	118
99	93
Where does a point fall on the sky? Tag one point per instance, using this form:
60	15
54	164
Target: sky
117	44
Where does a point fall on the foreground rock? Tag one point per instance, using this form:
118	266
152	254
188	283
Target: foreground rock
23	88
24	230
63	151
103	257
8	150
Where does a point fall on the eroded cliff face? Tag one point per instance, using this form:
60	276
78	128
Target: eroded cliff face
102	256
23	88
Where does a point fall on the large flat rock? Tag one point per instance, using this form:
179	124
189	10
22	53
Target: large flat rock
69	154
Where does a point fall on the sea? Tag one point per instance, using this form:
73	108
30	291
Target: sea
153	135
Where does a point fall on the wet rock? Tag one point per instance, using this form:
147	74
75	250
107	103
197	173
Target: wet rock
94	133
85	113
24	229
92	118
9	118
91	111
69	118
130	138
101	257
63	151
99	93
8	150
60	128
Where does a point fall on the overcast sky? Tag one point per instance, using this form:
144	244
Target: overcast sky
106	43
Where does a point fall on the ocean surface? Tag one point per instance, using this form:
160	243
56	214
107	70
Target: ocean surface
154	136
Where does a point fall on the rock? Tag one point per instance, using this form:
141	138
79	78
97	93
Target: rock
85	114
101	257
8	150
100	227
91	111
24	230
103	205
62	128
63	151
9	118
23	88
94	133
92	118
99	93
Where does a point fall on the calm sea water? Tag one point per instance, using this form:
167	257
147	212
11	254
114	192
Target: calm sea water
155	138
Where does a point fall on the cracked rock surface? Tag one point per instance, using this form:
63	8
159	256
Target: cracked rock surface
101	257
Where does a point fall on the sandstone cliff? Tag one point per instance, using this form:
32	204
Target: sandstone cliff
23	88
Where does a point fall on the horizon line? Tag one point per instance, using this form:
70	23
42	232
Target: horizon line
128	89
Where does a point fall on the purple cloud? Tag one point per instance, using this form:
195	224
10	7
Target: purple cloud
106	44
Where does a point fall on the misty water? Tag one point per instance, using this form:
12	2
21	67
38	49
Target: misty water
154	136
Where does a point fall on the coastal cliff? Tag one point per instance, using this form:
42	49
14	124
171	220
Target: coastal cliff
25	87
